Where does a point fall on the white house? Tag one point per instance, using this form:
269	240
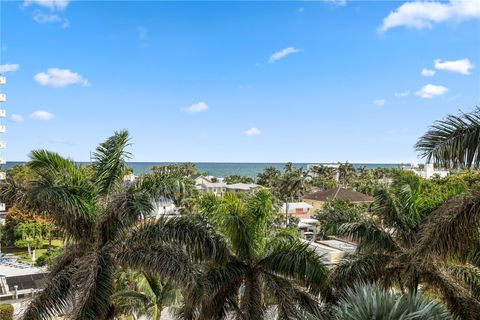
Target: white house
242	187
217	188
429	171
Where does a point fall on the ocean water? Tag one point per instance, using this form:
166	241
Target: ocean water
219	169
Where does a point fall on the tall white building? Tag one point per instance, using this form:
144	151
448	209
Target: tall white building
3	144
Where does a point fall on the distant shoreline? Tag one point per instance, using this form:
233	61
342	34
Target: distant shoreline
223	169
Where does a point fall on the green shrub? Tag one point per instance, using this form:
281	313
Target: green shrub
6	312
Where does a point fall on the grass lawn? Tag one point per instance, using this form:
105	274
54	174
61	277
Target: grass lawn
22	253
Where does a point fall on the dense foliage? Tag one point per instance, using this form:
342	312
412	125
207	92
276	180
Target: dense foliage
6	312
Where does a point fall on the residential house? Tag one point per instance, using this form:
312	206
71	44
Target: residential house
317	199
300	210
242	187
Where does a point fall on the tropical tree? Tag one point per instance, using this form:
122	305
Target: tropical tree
335	213
346	173
453	142
148	296
103	220
268	177
235	178
367	302
291	186
31	236
398	247
267	266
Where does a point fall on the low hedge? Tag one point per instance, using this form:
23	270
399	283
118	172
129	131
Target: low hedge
6	312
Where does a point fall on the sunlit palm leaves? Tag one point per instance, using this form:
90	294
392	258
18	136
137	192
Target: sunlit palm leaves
99	214
453	142
267	266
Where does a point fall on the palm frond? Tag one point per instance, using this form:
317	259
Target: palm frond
468	275
366	267
55	299
453	228
94	279
191	232
223	283
168	261
458	299
299	262
109	162
291	301
369	236
123	210
453	142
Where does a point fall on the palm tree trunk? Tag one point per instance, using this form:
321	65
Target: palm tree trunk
251	303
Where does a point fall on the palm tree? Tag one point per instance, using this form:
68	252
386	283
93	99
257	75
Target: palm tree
268	177
367	301
148	297
453	142
346	173
399	245
103	220
266	266
291	186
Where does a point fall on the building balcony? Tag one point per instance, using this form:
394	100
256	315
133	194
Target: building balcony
3	175
3	97
3	128
3	160
3	113
3	80
3	144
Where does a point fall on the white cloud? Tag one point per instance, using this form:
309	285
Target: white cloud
402	94
340	3
197	107
422	14
458	66
42	115
252	132
428	72
58	78
4	68
49	18
430	90
50	4
16	118
379	102
282	54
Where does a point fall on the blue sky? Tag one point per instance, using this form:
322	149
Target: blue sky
236	82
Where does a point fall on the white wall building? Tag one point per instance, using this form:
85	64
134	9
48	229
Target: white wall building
429	171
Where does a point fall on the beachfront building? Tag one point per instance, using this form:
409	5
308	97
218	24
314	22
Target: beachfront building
300	210
317	199
429	171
